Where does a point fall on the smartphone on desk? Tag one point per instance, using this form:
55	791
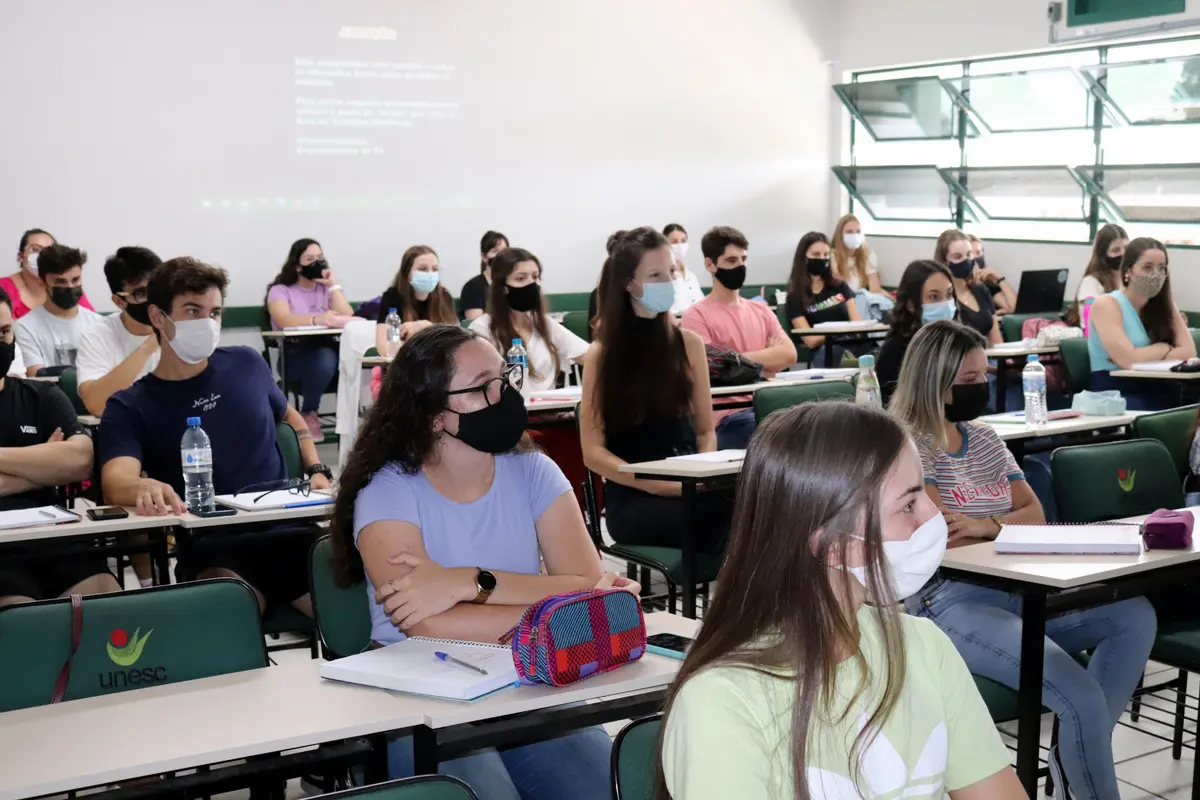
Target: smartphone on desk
101	513
215	511
668	644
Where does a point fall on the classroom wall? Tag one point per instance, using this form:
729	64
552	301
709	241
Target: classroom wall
197	129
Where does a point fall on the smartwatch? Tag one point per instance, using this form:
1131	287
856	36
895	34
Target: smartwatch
319	469
485	584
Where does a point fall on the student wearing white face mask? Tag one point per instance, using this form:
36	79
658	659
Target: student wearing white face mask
688	291
976	484
232	391
417	295
852	260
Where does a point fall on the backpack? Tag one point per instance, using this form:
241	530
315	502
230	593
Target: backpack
1047	333
730	368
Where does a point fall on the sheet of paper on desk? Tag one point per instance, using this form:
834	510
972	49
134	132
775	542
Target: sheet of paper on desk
411	666
1070	540
565	393
862	323
809	374
1155	366
717	457
28	517
272	500
305	328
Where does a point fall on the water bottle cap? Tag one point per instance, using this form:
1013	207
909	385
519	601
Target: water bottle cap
866	361
1031	357
391	311
516	342
193	422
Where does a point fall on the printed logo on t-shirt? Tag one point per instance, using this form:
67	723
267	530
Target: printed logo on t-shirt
968	492
206	403
829	302
29	429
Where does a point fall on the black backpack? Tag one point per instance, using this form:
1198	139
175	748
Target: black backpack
730	368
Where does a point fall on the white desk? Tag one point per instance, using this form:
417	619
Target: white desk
86	527
1016	350
683	470
189	521
833	333
1148	375
281	335
44	378
1010	431
158	729
89	421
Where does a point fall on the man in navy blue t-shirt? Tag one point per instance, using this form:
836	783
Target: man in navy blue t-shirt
232	391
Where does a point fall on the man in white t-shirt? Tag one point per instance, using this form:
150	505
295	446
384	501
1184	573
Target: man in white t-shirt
120	349
49	335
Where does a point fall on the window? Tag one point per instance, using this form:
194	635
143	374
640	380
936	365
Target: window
1043	147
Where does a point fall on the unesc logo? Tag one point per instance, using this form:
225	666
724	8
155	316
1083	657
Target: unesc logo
1125	479
125	651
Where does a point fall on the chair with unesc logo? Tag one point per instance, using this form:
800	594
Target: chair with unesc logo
127	640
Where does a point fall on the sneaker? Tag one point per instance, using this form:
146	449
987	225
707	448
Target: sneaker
1061	790
314	427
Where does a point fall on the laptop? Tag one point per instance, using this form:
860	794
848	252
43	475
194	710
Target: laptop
1041	291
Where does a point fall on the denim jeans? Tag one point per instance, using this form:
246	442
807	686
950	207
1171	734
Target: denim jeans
313	367
574	765
985	626
734	432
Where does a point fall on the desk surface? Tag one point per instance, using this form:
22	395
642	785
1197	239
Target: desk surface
207	721
189	521
306	332
1014	351
838	330
86	527
1010	431
678	470
1155	376
1063	572
89	421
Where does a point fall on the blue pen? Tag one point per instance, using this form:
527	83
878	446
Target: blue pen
449	659
308	503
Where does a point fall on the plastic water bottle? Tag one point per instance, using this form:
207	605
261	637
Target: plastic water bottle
393	333
1033	379
196	452
867	391
518	365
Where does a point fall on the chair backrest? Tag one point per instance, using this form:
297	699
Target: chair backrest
577	323
634	754
68	383
1173	428
803	353
1011	324
146	637
1099	482
372	352
343	615
774	398
289	448
1074	354
419	787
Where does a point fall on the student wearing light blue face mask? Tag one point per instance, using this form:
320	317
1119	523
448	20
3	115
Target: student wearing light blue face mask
645	397
417	296
925	295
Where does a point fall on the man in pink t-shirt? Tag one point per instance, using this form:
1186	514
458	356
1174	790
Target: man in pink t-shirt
726	319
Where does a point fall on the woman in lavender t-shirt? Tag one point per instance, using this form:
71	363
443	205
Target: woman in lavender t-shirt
457	525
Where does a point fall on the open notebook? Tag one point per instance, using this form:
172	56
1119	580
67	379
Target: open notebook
271	500
1070	540
411	666
28	517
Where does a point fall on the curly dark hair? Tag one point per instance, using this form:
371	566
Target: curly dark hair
906	317
399	430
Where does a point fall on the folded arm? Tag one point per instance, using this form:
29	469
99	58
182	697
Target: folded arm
95	393
50	464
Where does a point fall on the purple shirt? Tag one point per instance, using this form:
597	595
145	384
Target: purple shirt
495	532
310	302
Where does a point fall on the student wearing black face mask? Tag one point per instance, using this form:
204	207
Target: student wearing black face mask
120	348
976	308
450	514
1102	275
974	480
49	335
305	292
815	295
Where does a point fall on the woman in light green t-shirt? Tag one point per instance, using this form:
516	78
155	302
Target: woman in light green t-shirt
796	687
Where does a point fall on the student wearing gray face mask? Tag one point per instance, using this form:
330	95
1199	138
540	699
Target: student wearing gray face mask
1138	323
49	335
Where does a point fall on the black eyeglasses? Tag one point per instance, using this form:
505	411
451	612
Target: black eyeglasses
300	487
492	390
136	296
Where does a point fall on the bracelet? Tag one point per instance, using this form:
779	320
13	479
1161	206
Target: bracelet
337	287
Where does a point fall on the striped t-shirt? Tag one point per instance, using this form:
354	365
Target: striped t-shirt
977	480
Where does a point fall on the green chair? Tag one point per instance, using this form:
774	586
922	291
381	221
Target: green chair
68	382
774	398
1074	355
289	448
372	352
803	353
343	614
1011	324
419	787
1174	428
1100	482
577	323
634	753
147	637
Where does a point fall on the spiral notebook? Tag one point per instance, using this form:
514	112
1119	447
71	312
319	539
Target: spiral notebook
411	666
1122	540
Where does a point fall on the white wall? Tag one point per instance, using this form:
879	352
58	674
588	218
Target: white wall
174	126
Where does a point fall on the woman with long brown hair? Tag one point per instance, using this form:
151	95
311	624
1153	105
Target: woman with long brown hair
1138	323
517	310
1103	272
816	294
417	295
646	397
976	308
805	680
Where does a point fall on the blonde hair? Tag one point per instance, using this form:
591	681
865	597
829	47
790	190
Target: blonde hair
930	366
844	257
944	241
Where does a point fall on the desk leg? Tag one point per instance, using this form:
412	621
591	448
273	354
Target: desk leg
1001	385
828	352
160	557
688	545
376	768
425	760
283	365
1029	693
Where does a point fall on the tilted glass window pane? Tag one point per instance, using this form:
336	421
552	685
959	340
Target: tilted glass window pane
1030	101
1034	193
1154	92
912	193
1152	193
912	108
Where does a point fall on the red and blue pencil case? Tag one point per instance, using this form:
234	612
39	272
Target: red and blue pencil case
565	638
